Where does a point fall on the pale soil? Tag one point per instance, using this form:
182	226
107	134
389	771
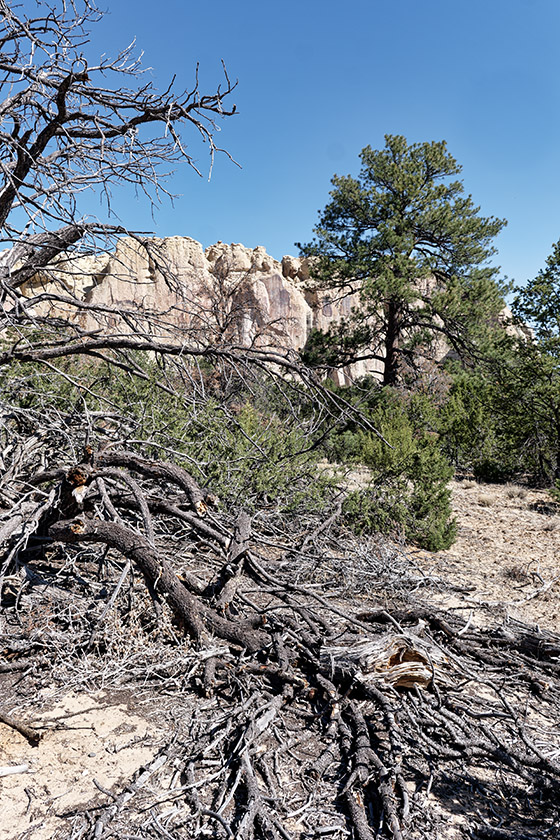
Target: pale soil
87	738
506	559
504	564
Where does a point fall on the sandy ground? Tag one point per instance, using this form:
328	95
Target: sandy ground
506	559
87	739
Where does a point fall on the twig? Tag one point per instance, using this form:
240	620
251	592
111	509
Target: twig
32	735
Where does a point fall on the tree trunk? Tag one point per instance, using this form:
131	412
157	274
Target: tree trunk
392	340
197	615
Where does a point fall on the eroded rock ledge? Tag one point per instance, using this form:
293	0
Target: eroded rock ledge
226	292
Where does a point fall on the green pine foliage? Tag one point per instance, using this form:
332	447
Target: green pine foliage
502	418
473	436
407	494
416	249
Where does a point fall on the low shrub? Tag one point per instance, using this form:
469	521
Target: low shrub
235	444
408	494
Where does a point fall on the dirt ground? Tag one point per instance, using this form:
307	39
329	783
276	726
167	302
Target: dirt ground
503	565
90	742
506	560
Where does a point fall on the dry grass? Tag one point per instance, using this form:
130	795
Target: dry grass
486	500
516	573
513	491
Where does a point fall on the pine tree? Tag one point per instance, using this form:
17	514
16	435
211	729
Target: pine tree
411	243
537	304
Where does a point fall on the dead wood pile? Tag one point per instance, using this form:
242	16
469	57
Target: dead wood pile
324	701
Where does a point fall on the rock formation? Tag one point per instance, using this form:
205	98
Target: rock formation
227	292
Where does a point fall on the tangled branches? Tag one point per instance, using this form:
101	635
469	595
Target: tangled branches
71	124
313	711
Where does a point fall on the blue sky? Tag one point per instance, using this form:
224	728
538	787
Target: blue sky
318	80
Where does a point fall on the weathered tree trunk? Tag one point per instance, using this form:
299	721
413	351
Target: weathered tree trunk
197	615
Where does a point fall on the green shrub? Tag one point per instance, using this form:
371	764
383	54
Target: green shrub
250	450
237	445
500	423
408	492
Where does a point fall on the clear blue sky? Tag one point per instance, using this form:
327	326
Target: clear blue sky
319	79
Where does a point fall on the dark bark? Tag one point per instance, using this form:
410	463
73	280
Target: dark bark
392	341
158	470
198	617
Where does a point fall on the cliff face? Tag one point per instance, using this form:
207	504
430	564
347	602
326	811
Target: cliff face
227	292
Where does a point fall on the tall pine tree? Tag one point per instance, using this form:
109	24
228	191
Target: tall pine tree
404	235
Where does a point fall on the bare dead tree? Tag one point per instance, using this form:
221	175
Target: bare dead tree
69	125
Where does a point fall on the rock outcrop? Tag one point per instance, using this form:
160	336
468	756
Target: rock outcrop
227	292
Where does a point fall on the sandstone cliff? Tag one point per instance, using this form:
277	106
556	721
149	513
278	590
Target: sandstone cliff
227	292
174	289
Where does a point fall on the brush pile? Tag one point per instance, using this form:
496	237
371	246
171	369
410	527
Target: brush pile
305	686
